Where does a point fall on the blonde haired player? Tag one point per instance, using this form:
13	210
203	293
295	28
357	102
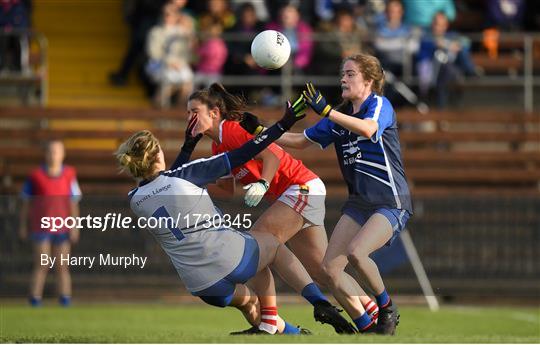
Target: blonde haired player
214	260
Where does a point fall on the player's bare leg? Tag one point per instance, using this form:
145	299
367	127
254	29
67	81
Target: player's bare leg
282	222
310	245
279	220
344	288
39	272
262	284
63	277
246	301
283	261
373	235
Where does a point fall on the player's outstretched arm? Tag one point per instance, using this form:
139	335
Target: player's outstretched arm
318	103
293	113
250	122
190	142
203	171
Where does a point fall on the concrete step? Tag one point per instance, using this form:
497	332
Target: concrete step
87	40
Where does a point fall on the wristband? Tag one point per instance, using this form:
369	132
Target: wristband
265	183
258	130
326	111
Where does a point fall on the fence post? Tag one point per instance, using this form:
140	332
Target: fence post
528	97
286	81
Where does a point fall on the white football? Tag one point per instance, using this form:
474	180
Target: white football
270	49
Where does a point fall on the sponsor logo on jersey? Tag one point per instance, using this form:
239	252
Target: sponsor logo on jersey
260	138
241	173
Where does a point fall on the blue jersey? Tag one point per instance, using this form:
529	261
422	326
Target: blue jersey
371	167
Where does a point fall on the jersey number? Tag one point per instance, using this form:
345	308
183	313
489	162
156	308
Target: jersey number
162	213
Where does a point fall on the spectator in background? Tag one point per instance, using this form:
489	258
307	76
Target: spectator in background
503	15
305	8
298	33
220	10
394	40
442	57
420	13
506	15
326	10
185	19
395	44
240	61
51	190
169	51
186	22
343	37
261	11
532	20
212	52
14	15
141	16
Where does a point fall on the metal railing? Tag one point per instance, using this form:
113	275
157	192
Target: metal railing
287	79
32	72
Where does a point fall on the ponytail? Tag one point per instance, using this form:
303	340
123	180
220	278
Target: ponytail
230	106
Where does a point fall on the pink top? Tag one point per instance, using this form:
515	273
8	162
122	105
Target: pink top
302	58
212	56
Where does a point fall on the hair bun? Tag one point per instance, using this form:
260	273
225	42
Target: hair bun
124	159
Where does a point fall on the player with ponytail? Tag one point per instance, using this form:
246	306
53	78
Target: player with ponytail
297	195
213	260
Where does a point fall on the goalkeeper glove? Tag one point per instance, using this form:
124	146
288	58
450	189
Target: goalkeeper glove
255	192
316	100
191	141
250	122
293	113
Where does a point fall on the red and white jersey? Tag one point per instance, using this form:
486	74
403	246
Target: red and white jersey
290	172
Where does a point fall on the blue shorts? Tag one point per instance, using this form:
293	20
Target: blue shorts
53	237
397	218
221	293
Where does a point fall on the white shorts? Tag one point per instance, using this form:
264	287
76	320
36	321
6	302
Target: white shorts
309	202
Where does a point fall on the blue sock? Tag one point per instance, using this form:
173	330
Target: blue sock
290	329
35	301
383	300
313	294
363	322
65	301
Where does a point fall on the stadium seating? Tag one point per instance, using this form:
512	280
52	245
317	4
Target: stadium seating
472	151
87	40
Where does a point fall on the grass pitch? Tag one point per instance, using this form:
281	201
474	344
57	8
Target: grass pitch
158	323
